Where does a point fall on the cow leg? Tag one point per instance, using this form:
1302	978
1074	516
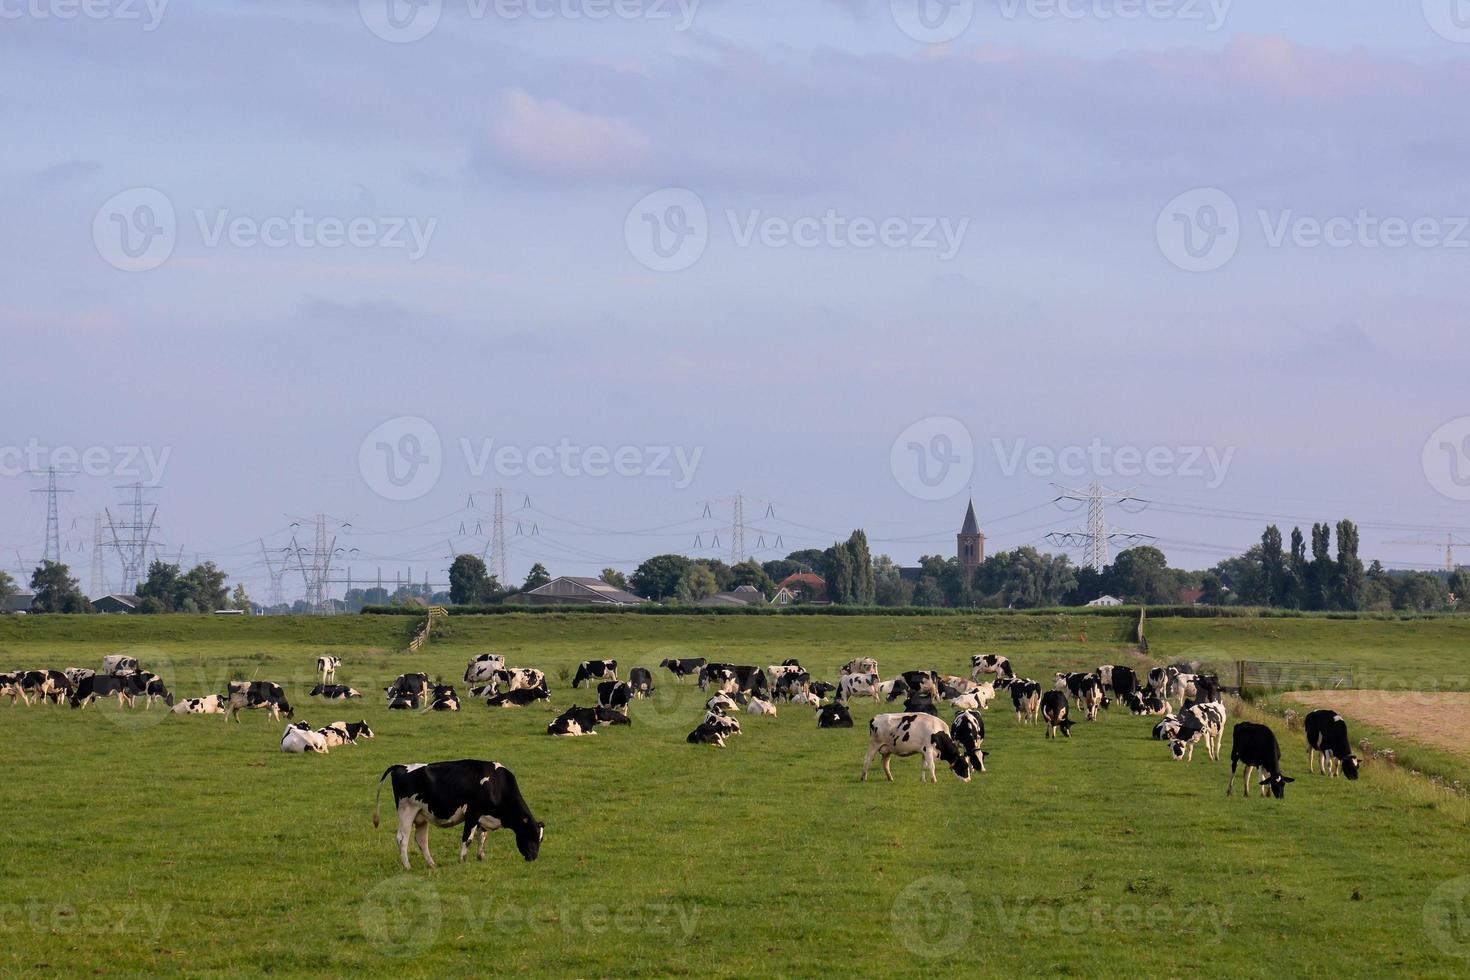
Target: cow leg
888	765
406	816
484	836
471	823
421	832
868	761
1230	786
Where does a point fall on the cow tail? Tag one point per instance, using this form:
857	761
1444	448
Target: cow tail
378	795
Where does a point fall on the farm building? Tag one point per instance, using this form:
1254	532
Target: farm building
17	602
1106	600
741	595
578	591
119	604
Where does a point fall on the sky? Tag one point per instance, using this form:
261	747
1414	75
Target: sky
848	262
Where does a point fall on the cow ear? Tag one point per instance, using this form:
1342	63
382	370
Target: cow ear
1287	779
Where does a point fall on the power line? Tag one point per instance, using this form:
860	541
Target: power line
1095	538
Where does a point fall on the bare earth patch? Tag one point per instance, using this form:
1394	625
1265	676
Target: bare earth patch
1438	720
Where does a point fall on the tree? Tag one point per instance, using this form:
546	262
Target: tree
782	568
698	582
1273	567
658	577
927	592
1349	581
161	586
1320	571
889	588
749	572
241	599
811	560
56	591
862	568
376	596
724	575
615	578
1419	592
1459	585
536	577
202	589
1142	575
470	584
841	575
7	585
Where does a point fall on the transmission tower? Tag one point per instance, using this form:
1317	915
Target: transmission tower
53	522
737	532
277	593
132	550
1095	538
497	540
318	573
99	570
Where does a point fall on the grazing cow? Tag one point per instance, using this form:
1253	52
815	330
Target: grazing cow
576	721
483	796
152	688
124	687
716	672
521	679
916	703
1054	712
10	687
1158	680
413	686
790	683
821	689
483	668
1205	721
326	668
119	664
261	695
1145	704
590	670
614	695
682	668
518	699
834	716
1123	681
968	732
443	698
759	707
858	665
300	738
1256	746
893	690
1206	687
1167	728
858	685
1181	686
213	704
1090	696
976	700
1026	696
990	663
922	681
751	680
919	734
77	674
333	692
640	679
776	672
706	734
42	685
1327	733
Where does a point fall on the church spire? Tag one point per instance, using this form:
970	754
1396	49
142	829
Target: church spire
970	543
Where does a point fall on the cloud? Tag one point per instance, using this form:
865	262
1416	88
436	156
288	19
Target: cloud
61	174
553	140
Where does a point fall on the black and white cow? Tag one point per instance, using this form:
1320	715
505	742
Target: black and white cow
483	796
918	734
858	665
922	682
300	738
721	704
614	695
1090	696
1123	681
857	686
10	687
326	669
1158	680
834	716
1206	687
333	692
1181	686
716	673
125	687
725	724
759	707
1026	697
518	699
682	668
483	668
213	704
1327	734
1145	704
1054	713
45	685
775	672
76	674
640	679
792	681
345	732
990	663
411	687
521	679
442	697
707	734
119	664
821	689
968	732
595	670
577	721
257	695
1256	746
405	702
1168	728
1198	721
977	699
916	703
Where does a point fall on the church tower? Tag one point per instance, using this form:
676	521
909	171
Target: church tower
971	543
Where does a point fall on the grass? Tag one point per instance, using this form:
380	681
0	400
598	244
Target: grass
142	843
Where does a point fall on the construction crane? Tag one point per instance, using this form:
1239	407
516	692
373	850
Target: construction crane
1449	544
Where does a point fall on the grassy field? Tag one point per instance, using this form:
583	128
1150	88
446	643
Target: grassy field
144	843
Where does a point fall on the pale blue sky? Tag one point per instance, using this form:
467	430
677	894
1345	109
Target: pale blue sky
522	145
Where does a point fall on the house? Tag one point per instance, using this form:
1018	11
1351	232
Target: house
16	602
784	597
805	583
1190	597
578	591
117	604
1106	600
741	595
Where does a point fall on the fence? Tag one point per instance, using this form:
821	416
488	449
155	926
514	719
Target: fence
1282	675
421	637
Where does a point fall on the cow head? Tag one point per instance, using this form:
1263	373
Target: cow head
1350	767
529	835
1065	727
1278	784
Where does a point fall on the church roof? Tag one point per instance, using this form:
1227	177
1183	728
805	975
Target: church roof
972	526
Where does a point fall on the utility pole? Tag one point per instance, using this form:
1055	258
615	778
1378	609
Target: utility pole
737	532
99	572
1096	537
53	522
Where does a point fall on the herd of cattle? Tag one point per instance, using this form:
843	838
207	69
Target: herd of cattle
483	796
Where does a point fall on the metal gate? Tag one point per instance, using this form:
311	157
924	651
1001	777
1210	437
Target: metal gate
1285	675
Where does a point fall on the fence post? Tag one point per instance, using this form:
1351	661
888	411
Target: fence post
1240	677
